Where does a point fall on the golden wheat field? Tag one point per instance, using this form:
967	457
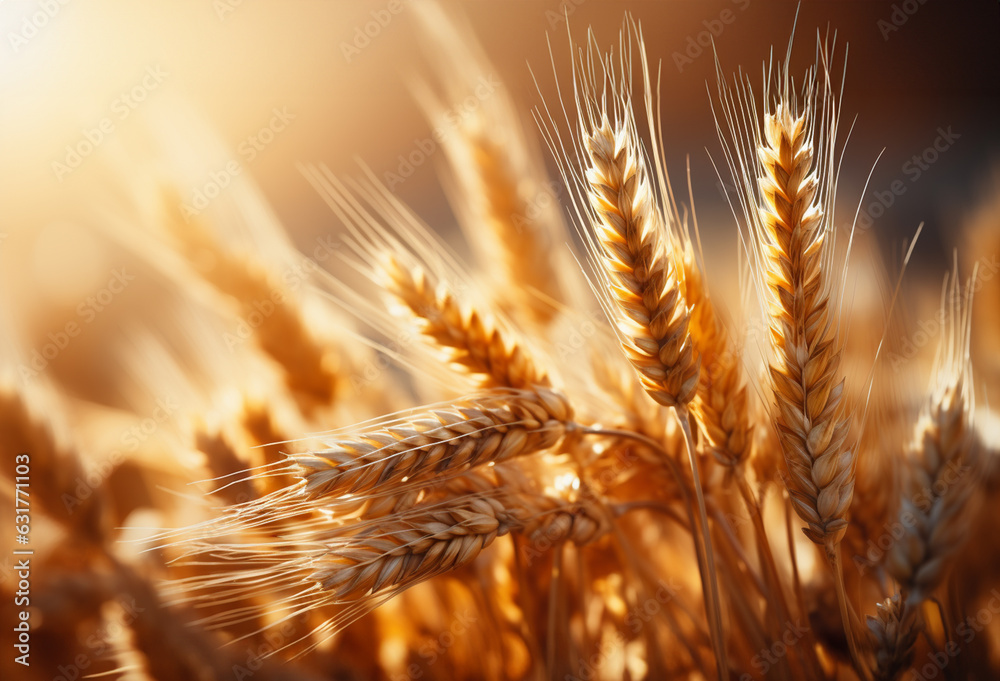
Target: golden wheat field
433	340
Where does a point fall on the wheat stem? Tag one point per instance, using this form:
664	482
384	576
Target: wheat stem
714	605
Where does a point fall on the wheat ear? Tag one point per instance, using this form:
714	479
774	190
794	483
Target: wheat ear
418	544
311	367
933	515
506	204
786	184
509	203
646	299
475	431
474	342
809	411
892	632
359	564
810	414
651	313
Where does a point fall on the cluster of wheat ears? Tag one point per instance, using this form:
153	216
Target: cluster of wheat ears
661	487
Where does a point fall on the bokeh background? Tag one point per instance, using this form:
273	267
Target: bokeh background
233	62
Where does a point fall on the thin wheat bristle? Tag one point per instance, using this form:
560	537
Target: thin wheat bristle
468	433
473	340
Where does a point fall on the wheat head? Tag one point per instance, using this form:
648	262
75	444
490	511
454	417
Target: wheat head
410	547
810	414
474	342
892	632
651	313
934	512
468	433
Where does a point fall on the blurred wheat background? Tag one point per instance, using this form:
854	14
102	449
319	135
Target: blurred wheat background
170	176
